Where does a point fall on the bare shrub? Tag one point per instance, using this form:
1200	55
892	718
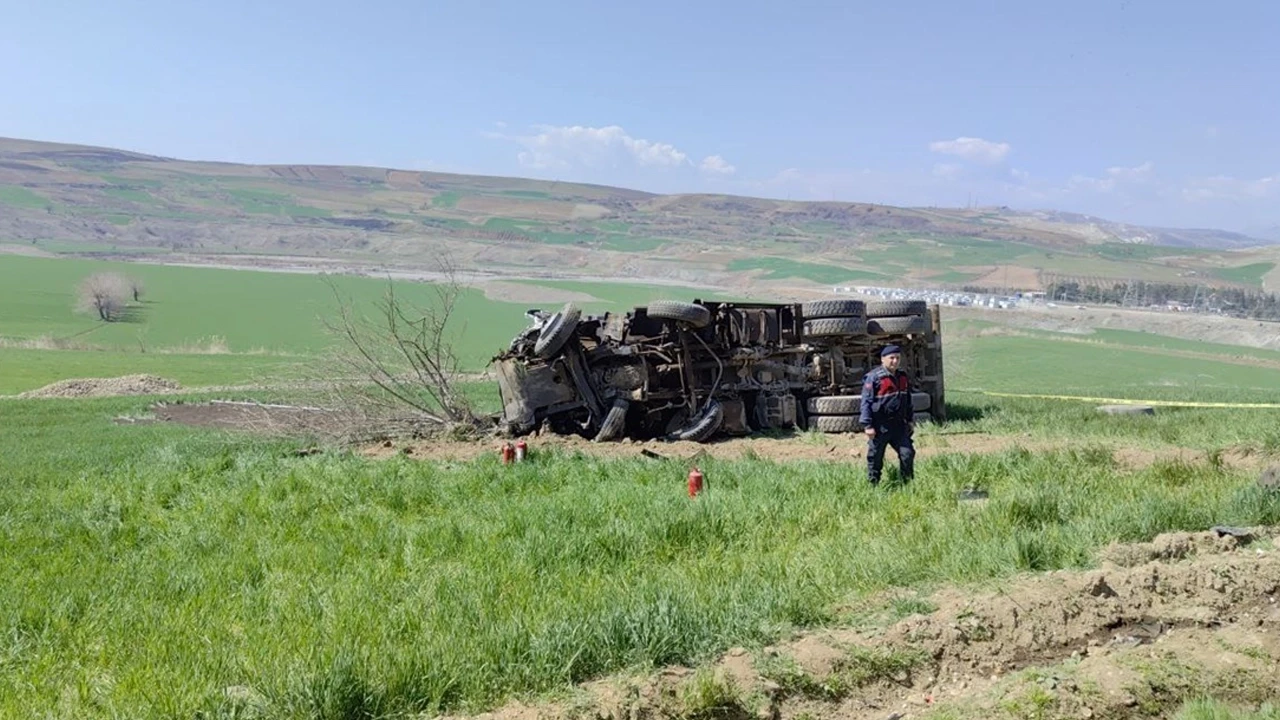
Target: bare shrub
397	370
105	294
136	288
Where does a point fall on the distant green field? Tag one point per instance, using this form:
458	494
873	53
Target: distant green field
264	202
783	268
22	369
1142	339
20	197
278	312
447	199
124	193
939	253
1249	274
1041	365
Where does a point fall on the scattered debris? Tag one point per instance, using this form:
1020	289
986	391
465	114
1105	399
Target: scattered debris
1127	409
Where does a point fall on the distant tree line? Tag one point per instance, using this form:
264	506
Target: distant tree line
1237	302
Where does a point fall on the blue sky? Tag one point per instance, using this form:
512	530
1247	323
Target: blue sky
1163	113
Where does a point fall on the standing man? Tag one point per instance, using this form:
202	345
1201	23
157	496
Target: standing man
887	415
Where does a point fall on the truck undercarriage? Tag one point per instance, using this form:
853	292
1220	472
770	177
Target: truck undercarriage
689	371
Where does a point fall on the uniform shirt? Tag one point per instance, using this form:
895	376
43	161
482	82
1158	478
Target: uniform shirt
886	397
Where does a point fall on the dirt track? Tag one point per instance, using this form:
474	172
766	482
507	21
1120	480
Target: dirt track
1157	624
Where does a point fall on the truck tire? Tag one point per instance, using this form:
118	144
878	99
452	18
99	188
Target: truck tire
834	405
703	425
896	308
834	423
695	315
920	401
556	332
899	325
833	308
835	327
921	418
614	421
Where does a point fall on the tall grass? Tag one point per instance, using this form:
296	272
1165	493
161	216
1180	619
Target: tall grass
155	572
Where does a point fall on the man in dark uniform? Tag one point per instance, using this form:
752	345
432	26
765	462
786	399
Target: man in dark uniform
887	415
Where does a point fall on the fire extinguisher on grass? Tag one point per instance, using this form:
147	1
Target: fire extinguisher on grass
695	482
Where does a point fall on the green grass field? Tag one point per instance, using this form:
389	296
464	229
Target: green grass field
148	568
186	562
251	311
1044	365
782	268
20	197
1249	274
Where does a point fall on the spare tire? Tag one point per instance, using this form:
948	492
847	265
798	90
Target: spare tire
894	308
828	327
557	331
902	325
833	308
834	423
695	315
834	405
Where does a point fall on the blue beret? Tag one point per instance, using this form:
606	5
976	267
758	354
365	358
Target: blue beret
891	350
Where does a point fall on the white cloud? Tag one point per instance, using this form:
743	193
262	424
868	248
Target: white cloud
1138	173
946	170
970	148
716	165
1113	179
578	146
1223	187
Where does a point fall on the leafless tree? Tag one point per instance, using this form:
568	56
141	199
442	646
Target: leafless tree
402	359
105	293
136	288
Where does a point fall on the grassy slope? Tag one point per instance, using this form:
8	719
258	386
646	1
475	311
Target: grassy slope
182	563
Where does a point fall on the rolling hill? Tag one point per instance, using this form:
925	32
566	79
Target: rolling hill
71	199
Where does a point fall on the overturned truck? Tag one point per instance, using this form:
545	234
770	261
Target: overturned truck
693	370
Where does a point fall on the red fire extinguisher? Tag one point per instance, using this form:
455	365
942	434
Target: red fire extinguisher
522	449
508	453
695	482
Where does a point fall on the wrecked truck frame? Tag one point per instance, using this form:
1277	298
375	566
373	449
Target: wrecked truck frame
692	370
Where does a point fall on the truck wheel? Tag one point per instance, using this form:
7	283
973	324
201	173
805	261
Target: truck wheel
834	405
895	308
696	315
704	425
556	332
835	327
920	401
834	423
921	417
900	325
614	421
833	308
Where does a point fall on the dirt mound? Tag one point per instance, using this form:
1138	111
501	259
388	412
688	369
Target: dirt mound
1189	615
105	387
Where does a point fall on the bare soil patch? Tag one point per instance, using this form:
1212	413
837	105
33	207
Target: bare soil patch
105	387
1189	614
517	208
1011	276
